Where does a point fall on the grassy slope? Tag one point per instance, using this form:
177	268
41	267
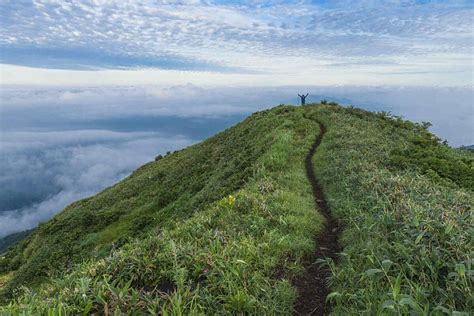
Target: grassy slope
407	228
156	195
226	255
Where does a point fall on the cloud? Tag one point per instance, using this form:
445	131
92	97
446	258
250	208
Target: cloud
175	108
98	103
90	59
283	37
44	172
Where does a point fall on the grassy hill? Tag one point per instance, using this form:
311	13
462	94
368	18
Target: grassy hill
227	224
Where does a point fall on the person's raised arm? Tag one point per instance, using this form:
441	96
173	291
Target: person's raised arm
306	95
299	95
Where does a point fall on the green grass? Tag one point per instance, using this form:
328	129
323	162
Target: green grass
232	255
408	227
157	195
223	226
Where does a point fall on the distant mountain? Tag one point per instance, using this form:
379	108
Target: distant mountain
468	147
11	239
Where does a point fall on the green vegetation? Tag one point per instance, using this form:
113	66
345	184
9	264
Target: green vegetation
154	197
227	255
224	225
408	227
427	154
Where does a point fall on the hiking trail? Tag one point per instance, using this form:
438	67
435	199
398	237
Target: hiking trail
312	285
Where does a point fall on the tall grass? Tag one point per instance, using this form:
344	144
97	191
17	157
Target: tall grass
155	196
408	225
407	237
236	256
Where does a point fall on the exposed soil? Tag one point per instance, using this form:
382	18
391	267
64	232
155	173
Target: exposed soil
312	285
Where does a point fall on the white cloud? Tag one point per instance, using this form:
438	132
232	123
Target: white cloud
356	72
68	165
450	109
23	140
96	103
293	40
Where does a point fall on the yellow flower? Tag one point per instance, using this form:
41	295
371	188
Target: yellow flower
231	200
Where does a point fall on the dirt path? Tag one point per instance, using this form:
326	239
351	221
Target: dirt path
312	285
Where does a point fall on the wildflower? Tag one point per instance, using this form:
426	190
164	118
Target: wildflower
231	200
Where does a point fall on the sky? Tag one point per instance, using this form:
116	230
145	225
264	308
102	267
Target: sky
92	89
329	42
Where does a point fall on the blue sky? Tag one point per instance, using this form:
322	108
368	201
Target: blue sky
364	42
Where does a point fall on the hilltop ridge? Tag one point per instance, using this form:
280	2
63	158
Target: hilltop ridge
230	224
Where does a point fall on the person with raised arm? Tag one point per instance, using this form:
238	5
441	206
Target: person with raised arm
303	98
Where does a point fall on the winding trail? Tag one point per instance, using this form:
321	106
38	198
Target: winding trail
312	285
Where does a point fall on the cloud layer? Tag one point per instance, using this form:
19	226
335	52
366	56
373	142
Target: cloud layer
43	172
252	37
171	109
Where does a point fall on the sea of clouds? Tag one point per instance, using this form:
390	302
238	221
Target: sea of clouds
58	145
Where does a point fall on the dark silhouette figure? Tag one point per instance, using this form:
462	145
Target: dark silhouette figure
303	98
